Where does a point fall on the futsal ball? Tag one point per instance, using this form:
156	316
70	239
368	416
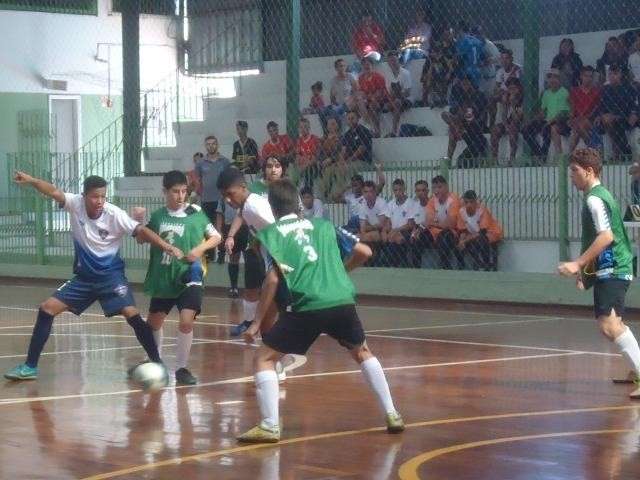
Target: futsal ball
151	376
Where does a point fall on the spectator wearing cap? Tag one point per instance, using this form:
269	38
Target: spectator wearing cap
278	146
618	111
584	100
398	83
512	116
245	150
551	120
478	231
568	63
368	40
417	40
614	54
372	95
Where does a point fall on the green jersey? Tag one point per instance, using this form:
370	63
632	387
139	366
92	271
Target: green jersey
167	277
600	212
308	254
259	187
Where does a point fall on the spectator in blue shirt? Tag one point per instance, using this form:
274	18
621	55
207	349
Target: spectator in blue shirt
470	51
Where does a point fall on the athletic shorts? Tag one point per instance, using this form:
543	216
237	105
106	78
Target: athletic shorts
609	294
254	270
240	240
113	293
189	299
295	332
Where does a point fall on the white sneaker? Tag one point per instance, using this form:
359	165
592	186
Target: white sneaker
282	375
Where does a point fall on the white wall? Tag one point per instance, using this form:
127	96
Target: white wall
63	47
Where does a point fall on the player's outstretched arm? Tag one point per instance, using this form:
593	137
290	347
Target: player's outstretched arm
45	188
359	255
209	244
233	229
147	235
602	241
267	296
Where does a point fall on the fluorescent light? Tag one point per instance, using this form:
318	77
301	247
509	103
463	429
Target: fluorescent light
236	73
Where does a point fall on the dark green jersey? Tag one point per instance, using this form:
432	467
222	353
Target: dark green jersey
308	254
167	277
259	187
600	212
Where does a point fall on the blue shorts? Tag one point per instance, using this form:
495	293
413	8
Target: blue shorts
113	293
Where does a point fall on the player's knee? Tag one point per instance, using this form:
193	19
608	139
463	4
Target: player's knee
361	353
185	326
50	307
611	326
129	312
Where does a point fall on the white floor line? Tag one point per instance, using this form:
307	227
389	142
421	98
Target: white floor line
230	402
524	347
13	401
458	325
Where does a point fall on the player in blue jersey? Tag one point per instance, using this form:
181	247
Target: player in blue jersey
98	228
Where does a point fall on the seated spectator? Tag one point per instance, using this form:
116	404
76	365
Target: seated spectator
417	40
634	63
618	112
469	49
478	231
305	168
511	121
466	119
634	171
551	120
398	226
371	214
245	150
398	83
508	70
279	146
356	142
420	239
568	63
367	40
194	186
372	95
354	198
343	90
312	207
316	105
614	54
584	100
328	157
443	209
435	78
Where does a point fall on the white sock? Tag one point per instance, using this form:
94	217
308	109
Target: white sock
249	309
183	347
373	373
268	393
628	346
158	335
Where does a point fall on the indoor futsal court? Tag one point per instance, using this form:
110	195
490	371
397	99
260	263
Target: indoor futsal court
488	393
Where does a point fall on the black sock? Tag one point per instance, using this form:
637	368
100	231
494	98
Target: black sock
144	334
234	269
41	331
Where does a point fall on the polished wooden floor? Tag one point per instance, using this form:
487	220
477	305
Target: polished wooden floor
484	395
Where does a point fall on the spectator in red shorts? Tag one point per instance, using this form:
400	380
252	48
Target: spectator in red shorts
279	146
584	100
368	39
372	95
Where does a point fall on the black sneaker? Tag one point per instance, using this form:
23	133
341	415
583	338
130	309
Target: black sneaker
234	293
184	377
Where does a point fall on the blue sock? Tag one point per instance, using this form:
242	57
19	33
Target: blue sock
41	331
144	334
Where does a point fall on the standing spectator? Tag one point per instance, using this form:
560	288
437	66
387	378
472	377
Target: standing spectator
420	238
614	54
508	70
208	170
368	40
398	82
279	146
193	186
618	111
634	63
371	214
312	207
372	94
398	225
584	100
435	78
307	147
568	63
224	218
511	121
417	40
469	49
551	120
343	90
443	209
479	231
245	150
491	59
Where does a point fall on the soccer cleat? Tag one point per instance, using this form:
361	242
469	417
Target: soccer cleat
260	434
22	372
395	424
631	377
234	293
239	329
185	377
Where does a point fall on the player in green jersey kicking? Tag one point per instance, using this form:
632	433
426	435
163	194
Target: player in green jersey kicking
306	257
605	262
170	282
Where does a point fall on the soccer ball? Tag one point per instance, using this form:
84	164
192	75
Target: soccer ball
151	376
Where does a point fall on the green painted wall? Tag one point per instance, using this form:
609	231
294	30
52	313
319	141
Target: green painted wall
95	117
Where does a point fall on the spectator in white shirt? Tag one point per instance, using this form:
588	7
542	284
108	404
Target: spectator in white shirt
342	90
311	207
508	70
354	198
417	40
371	214
419	241
398	80
398	225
